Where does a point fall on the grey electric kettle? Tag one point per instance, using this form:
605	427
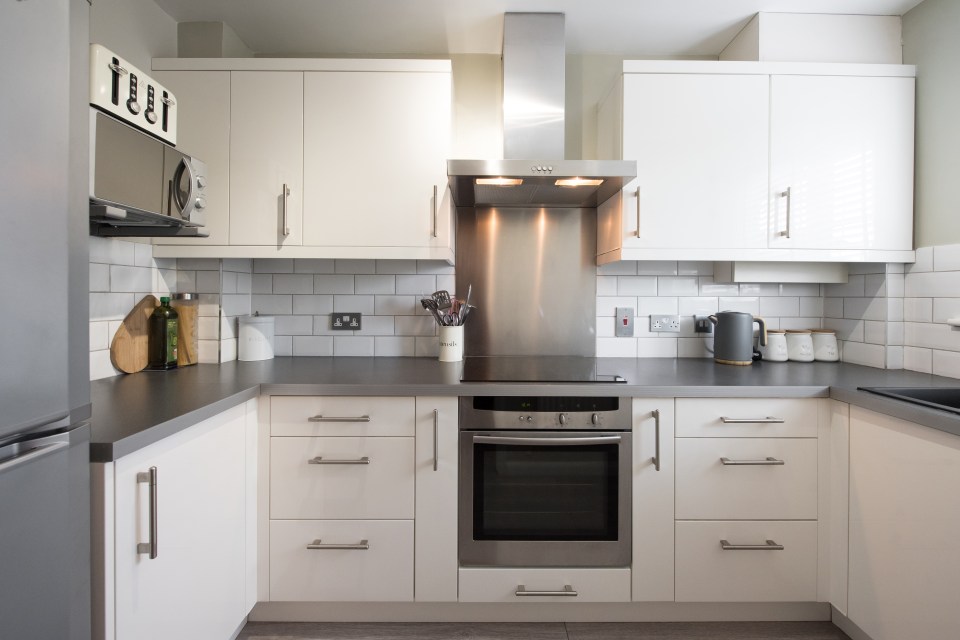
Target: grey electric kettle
733	337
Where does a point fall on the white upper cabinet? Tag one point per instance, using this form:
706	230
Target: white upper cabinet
841	160
724	149
266	158
375	159
700	142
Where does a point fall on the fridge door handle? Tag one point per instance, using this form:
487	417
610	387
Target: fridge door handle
28	452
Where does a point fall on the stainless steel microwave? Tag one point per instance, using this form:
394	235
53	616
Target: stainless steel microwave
140	185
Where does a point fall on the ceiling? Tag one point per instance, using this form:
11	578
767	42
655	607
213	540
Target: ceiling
649	28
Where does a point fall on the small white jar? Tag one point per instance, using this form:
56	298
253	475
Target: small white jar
825	345
776	347
255	341
799	345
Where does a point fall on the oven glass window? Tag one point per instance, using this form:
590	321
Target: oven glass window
530	492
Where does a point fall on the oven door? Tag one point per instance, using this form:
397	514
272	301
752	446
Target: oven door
545	498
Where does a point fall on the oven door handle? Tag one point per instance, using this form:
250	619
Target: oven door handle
548	442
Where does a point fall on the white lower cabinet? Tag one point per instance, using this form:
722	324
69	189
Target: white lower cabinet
904	577
753	567
341	560
544	585
187	575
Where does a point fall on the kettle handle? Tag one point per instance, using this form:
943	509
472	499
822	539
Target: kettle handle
763	330
712	319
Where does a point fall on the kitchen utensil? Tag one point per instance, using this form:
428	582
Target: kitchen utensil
825	345
733	337
442	298
128	351
431	305
187	305
776	348
799	345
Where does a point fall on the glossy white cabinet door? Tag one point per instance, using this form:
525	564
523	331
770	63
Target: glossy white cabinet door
653	501
376	145
904	529
266	153
436	566
203	131
196	586
843	147
700	142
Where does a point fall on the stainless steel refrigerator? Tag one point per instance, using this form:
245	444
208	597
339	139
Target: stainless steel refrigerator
44	335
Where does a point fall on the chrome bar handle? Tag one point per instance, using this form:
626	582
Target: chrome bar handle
150	477
769	546
767	420
556	442
638	211
317	545
768	461
320	460
117	69
436	205
436	444
787	194
286	195
656	422
567	591
170	102
320	418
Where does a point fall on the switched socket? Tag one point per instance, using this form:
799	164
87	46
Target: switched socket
624	320
665	323
346	321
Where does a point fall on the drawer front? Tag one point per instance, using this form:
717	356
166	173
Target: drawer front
341	416
708	489
708	573
334	485
383	572
503	585
746	418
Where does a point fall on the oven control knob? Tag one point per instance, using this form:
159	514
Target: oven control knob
595	418
563	418
151	116
133	106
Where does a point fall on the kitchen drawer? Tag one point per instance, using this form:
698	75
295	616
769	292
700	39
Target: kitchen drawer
502	584
707	489
341	416
708	573
383	572
380	488
704	418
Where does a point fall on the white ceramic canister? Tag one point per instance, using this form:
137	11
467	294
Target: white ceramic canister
451	344
799	345
776	347
256	338
825	345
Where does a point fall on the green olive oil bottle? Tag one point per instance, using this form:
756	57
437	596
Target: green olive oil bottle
162	350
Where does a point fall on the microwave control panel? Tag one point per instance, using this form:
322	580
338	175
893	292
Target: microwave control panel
123	91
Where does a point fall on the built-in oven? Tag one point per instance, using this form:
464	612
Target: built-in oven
545	481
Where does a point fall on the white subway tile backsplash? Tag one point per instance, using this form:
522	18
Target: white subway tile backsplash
946	309
237	265
99	277
294	325
100	365
606	325
323	326
946	363
267	304
657	305
314	305
448	283
377	326
656	348
870	355
874	332
130	279
312	345
677	286
244	283
875	285
99	337
865	267
946	258
165	282
208	328
917	359
353	346
607	305
832	307
283	345
419	285
865	308
228	282
313	265
112	251
894	357
606	285
355	304
850	330
692	348
748	304
811	307
403	347
636	286
414	326
375	284
795	323
396	267
208	351
854	287
710	288
142	254
187	281
434	267
622	268
616	347
694	268
261	283
427	347
936	284
923	261
243	305
111	306
228	350
918	309
931	336
356	267
782	306
765	289
657	268
396	305
334	284
273	265
896	283
800	289
229	326
895	310
894	334
300	283
699	306
208	282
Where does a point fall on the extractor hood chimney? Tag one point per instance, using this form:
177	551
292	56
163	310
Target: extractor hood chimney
534	171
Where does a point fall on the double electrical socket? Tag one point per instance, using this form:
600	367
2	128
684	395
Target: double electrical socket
665	323
346	321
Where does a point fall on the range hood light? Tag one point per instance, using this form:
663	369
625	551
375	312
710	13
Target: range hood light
579	182
500	182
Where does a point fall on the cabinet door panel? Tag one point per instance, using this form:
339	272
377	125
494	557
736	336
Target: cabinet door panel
376	146
700	142
196	586
843	146
266	152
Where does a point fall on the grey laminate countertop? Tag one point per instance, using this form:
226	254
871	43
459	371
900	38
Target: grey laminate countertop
133	411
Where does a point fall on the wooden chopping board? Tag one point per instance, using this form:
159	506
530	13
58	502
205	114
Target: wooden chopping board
128	351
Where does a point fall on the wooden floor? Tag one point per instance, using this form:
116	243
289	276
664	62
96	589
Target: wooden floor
542	631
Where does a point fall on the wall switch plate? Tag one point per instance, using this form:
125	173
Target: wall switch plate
702	324
624	326
346	321
665	323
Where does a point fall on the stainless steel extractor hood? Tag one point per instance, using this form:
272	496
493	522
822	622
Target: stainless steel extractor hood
534	171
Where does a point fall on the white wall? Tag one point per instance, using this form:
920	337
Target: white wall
930	41
137	30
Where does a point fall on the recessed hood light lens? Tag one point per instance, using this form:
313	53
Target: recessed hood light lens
578	182
500	182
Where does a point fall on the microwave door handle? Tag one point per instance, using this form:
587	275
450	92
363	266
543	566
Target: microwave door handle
547	442
185	208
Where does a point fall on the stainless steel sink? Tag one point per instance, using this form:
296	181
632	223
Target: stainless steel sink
943	398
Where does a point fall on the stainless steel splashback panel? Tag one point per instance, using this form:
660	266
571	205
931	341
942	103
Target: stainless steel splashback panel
534	92
534	280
